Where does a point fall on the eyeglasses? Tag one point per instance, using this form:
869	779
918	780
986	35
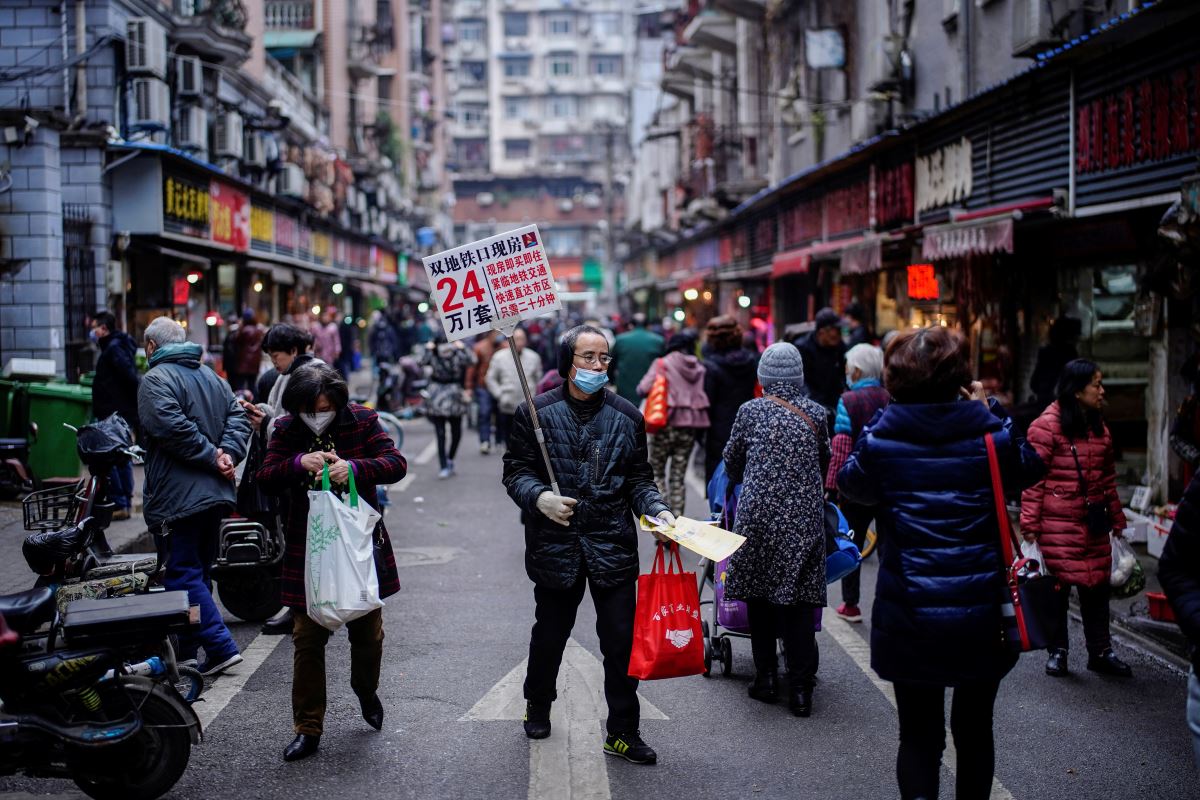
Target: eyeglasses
603	359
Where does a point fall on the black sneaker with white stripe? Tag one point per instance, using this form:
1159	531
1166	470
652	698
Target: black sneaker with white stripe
630	747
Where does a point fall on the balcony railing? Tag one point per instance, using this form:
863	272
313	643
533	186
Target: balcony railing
289	15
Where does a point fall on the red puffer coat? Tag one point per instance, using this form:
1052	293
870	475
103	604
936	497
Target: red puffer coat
1054	509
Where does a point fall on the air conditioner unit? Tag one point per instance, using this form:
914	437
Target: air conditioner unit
584	26
566	206
519	44
532	123
882	68
145	47
151	103
254	152
192	133
189	76
229	135
1034	25
484	199
290	182
591	200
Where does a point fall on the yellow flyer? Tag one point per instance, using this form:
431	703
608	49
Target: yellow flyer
715	544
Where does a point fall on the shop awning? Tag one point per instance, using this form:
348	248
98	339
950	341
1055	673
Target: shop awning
858	255
976	237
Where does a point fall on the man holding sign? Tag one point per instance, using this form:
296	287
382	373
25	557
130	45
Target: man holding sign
582	535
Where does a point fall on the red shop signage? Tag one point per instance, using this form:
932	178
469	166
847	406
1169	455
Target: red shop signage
894	195
922	282
848	208
229	214
1148	120
801	223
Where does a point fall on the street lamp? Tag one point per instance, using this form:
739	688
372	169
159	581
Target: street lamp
422	307
316	310
679	315
193	277
258	287
744	301
338	288
690	294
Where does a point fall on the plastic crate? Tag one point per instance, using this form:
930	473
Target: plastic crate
1160	609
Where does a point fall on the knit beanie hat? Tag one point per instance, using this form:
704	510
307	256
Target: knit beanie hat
781	362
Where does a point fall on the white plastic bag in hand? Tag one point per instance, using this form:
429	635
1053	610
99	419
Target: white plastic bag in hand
340	584
1032	551
1123	561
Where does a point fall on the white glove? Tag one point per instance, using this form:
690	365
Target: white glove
556	507
669	518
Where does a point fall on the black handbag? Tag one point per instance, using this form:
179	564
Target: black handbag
1032	604
1099	522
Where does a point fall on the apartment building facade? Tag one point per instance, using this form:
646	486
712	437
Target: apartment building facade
540	124
202	157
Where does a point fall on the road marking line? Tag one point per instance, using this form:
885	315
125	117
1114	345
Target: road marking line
405	482
230	683
426	455
695	482
859	651
570	765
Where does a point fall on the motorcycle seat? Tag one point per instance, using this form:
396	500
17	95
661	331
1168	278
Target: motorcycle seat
26	611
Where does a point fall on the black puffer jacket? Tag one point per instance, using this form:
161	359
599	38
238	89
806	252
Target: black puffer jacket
1179	567
598	449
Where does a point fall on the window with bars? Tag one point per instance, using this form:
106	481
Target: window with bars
79	288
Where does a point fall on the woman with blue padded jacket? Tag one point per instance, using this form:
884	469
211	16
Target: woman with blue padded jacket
936	622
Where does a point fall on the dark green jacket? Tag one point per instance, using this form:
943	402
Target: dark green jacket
187	412
633	353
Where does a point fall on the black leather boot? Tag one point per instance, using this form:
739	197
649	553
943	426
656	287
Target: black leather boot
303	746
372	711
279	624
1107	663
765	687
800	698
1056	664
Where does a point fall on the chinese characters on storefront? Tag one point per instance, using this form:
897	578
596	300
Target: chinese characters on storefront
221	213
1149	120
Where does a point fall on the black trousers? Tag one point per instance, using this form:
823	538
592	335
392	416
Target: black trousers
794	624
859	519
439	429
923	738
555	617
503	426
1093	607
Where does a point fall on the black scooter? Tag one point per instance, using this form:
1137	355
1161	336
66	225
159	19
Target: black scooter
80	703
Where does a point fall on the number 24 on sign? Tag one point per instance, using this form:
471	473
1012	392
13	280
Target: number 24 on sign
471	289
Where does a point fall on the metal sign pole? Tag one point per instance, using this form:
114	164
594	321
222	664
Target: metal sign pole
533	415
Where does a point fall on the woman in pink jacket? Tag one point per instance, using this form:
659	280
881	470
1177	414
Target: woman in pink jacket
687	416
1071	512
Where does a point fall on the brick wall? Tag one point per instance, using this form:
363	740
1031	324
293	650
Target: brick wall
31	232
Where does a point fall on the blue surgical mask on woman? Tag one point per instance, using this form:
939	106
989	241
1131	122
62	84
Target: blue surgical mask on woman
589	381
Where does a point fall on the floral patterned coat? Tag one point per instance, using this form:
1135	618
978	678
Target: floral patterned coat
778	457
357	437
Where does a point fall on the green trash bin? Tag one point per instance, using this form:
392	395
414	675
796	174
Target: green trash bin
53	455
9	396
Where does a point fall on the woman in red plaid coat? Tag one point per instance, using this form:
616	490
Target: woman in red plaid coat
323	427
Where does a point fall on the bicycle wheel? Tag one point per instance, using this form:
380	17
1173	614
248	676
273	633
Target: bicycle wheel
392	426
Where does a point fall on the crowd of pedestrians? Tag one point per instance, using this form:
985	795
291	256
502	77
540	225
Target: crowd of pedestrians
894	435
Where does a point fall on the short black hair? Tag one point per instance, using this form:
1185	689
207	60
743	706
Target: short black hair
311	381
284	338
566	348
106	319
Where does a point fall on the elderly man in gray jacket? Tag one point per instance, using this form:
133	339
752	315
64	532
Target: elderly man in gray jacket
195	434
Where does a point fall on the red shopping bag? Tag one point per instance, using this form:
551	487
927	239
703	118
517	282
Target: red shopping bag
667	638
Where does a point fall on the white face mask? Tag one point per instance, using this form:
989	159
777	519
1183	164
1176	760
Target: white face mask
317	423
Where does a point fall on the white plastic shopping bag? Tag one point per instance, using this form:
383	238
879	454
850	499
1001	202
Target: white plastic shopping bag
340	583
1031	550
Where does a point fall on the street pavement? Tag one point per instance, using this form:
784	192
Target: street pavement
457	635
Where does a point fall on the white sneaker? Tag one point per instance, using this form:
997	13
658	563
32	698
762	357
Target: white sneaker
444	473
485	448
